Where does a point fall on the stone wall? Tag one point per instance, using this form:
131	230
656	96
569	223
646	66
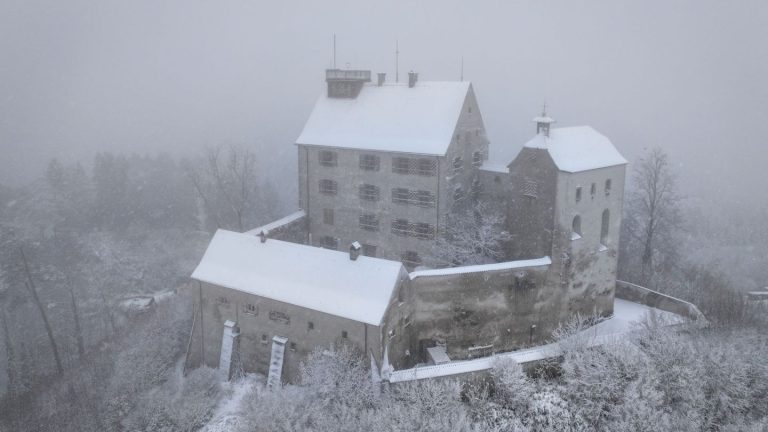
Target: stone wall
642	295
482	306
271	318
588	262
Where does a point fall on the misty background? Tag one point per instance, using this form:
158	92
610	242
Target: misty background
79	77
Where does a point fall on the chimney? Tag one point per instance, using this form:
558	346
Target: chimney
412	78
382	77
263	236
354	251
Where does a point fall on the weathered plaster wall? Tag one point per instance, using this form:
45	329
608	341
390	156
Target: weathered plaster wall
254	354
532	194
483	308
587	266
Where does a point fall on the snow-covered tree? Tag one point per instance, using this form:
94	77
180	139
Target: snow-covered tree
474	234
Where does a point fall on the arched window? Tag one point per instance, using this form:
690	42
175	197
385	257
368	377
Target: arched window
576	228
604	227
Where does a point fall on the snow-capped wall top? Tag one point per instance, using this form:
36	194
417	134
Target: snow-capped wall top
391	117
579	148
310	277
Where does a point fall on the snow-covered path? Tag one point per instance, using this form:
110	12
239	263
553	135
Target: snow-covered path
228	412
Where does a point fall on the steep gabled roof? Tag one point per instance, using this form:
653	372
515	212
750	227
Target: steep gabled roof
578	148
391	118
310	277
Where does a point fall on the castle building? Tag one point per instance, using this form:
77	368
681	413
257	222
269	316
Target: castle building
381	166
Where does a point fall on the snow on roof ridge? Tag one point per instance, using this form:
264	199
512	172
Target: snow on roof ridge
278	223
543	261
389	118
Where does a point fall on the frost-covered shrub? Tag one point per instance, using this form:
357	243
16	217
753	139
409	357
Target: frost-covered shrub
338	376
512	387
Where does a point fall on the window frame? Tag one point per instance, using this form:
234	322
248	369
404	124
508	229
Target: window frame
328	158
369	162
328	187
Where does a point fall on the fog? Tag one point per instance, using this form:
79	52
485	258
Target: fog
79	77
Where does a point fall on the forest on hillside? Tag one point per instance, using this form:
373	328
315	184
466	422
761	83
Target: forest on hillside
80	246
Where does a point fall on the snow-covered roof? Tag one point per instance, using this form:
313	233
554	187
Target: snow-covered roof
314	278
293	217
494	167
509	265
391	118
578	148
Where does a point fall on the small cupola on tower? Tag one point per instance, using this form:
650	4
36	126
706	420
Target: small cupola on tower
543	122
345	83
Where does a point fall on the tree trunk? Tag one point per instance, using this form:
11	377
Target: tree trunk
9	353
33	291
78	329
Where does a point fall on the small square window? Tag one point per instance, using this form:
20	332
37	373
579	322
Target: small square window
264	339
368	192
327	158
344	334
369	162
458	164
593	191
329	242
310	325
608	187
530	188
392	333
369	250
477	158
293	346
222	300
328	187
458	193
578	194
250	309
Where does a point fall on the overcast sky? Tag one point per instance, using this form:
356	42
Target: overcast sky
146	76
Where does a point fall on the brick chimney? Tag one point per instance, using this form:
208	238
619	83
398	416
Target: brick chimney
412	78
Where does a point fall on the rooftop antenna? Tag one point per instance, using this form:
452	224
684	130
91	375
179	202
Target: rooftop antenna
334	50
397	59
462	69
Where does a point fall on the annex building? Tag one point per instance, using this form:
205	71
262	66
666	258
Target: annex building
381	168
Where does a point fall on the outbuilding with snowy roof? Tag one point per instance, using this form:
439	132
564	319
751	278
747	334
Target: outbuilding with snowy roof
311	297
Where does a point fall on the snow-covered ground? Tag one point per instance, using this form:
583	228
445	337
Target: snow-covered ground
229	410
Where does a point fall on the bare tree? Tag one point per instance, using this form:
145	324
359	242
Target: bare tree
33	292
226	183
653	217
473	235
